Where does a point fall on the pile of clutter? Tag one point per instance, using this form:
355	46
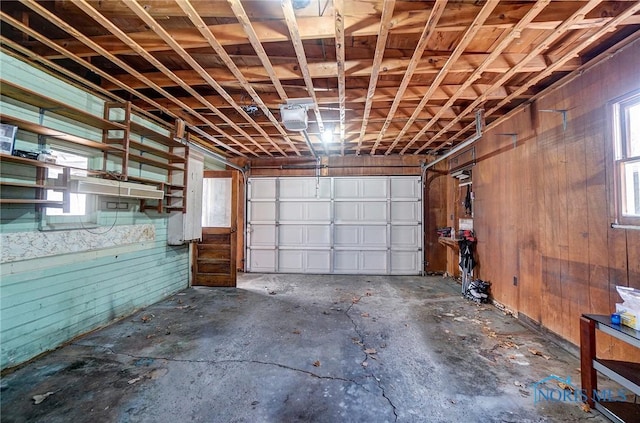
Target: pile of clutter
477	290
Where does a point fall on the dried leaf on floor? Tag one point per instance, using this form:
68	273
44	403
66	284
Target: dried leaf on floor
146	318
370	351
357	341
459	319
150	336
537	352
508	344
566	387
518	384
37	399
364	315
316	363
365	364
355	300
132	381
449	314
296	332
585	407
368	294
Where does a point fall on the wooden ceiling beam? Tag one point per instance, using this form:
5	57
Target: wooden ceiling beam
555	34
256	43
610	26
353	97
535	10
69	29
338	7
466	39
296	40
385	25
427	33
410	22
199	23
353	68
166	37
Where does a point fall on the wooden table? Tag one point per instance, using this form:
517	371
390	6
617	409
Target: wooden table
625	373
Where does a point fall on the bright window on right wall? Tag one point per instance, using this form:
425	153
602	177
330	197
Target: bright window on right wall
627	158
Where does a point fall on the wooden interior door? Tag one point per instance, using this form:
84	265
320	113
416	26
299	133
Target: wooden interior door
215	257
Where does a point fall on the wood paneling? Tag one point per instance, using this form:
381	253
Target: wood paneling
541	207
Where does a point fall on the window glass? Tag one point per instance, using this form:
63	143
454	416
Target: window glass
78	202
633	141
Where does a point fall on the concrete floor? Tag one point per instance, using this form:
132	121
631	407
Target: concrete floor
287	348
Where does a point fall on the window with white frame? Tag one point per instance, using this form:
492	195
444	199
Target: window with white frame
77	202
82	207
627	158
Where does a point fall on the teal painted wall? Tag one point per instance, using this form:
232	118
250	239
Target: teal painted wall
47	301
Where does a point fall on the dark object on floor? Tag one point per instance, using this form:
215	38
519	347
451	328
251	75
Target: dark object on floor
478	291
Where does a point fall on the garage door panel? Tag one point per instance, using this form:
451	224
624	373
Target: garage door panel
299	188
405	211
291	261
318	261
262	235
262	212
318	235
373	188
346	261
305	236
374	261
373	212
405	262
373	236
406	237
297	211
346	211
262	189
405	188
262	260
346	236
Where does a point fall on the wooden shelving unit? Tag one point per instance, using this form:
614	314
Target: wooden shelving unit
36	188
625	373
160	152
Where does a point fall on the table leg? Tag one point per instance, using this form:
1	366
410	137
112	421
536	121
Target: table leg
588	374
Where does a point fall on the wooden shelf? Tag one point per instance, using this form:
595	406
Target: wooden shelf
54	133
56	107
624	373
175	158
47	203
148	161
23	184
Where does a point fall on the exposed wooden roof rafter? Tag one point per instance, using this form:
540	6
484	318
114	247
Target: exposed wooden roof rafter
385	25
427	33
296	40
338	6
557	33
513	34
199	23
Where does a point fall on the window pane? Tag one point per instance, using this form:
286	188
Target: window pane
77	202
633	143
631	188
216	203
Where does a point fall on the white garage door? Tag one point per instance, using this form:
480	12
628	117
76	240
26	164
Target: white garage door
358	225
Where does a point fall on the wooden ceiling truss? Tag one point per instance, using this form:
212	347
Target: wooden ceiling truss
385	77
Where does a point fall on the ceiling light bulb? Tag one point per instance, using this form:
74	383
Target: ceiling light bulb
327	136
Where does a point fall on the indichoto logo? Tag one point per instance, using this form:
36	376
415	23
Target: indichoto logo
565	391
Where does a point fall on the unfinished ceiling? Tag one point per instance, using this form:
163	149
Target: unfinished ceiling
386	77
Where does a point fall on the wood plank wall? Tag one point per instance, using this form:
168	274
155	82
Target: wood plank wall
542	206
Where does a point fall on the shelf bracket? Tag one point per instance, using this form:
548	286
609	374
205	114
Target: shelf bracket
561	111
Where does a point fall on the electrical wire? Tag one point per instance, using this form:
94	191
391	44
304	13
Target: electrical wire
117	177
